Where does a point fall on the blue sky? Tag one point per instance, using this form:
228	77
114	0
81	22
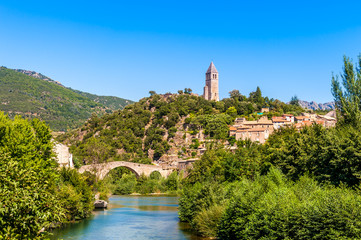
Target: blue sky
127	48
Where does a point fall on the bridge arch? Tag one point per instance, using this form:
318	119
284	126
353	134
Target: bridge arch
131	170
102	169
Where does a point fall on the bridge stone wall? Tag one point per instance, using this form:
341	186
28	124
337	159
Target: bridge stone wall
102	169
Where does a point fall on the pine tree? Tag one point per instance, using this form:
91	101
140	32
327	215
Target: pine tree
348	97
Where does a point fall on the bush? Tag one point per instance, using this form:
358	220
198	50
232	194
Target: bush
273	208
77	196
126	185
207	220
28	177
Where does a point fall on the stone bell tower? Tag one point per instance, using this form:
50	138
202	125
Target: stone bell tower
211	88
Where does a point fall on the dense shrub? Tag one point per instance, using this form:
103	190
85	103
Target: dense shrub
273	208
77	196
28	178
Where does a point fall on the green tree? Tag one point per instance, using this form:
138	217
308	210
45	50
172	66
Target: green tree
235	94
187	91
28	177
232	111
348	97
295	101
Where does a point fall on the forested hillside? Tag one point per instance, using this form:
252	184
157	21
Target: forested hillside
60	107
160	125
111	102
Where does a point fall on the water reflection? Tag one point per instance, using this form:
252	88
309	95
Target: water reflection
131	217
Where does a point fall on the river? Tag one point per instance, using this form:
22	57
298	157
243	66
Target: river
131	217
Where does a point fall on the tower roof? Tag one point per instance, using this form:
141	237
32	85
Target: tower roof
212	68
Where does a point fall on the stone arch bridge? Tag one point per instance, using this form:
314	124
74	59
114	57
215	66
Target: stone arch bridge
102	169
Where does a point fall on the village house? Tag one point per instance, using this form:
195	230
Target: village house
289	117
253	134
253	130
299	119
279	122
261	129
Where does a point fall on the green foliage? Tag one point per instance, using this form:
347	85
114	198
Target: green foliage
348	98
246	106
110	102
197	197
273	208
77	196
221	165
34	195
330	155
60	107
232	111
28	179
215	125
153	122
121	181
206	222
295	101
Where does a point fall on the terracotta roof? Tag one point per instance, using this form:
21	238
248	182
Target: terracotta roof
232	128
212	68
280	120
250	122
253	130
265	122
288	115
244	127
301	117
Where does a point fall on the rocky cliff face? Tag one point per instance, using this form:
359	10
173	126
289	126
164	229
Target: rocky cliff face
38	75
316	106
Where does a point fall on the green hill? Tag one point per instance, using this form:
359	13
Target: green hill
113	103
164	126
62	108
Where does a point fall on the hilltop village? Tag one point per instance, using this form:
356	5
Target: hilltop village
260	130
173	130
257	129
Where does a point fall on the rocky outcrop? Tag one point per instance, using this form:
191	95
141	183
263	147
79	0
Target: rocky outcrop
317	106
100	204
63	156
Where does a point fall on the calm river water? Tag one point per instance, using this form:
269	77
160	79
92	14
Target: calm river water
131	217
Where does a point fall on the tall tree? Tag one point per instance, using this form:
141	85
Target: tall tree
256	97
295	101
348	96
235	94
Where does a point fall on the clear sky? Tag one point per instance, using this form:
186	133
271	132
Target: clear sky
127	48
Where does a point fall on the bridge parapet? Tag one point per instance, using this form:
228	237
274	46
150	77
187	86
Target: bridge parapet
102	169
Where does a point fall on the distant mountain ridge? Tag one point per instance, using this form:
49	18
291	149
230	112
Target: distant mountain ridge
32	94
317	106
114	103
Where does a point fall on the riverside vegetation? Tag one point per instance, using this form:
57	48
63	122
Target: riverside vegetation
34	193
298	185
